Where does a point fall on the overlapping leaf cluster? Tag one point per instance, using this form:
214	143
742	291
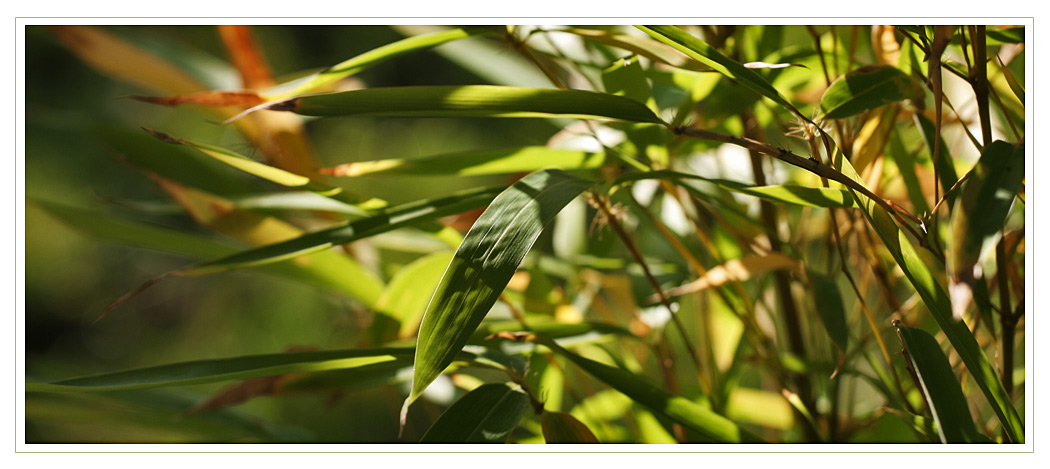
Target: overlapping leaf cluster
761	226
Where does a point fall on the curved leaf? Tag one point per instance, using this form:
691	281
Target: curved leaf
485	415
225	369
560	427
483	264
469	101
391	219
939	386
867	88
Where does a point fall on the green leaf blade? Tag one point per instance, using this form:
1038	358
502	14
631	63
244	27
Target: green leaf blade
485	415
940	387
474	163
471	101
226	369
483	264
830	308
867	88
391	219
982	208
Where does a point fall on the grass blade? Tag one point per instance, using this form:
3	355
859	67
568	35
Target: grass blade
939	386
468	101
936	300
397	217
508	161
560	427
483	264
485	415
867	88
225	369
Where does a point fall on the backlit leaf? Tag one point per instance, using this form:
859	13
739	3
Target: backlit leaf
483	264
508	161
867	88
469	101
939	386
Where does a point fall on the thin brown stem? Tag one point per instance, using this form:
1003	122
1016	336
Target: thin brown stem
603	206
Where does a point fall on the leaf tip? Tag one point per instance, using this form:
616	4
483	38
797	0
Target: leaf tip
167	138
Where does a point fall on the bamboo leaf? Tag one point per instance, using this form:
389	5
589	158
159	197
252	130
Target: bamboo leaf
560	427
483	264
939	386
1006	36
396	217
982	207
707	424
249	165
936	300
468	101
226	369
830	308
867	88
1012	82
485	415
507	161
378	55
704	53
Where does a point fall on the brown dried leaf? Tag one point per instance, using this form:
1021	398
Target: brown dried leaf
246	56
208	98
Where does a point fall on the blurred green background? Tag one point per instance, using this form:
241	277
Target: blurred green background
70	277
